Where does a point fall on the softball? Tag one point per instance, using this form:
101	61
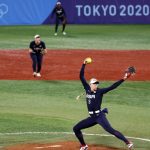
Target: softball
88	60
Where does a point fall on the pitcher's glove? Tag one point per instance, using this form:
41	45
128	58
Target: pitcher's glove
129	71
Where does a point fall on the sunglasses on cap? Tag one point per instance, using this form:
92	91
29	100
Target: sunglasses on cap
96	83
37	36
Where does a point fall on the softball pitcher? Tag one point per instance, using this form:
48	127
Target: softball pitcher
94	97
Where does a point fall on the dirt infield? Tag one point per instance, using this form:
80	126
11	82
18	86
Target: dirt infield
65	64
57	146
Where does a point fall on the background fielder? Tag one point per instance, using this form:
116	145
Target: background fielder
37	49
60	17
94	97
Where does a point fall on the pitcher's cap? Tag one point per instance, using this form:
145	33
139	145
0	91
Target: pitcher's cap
94	81
58	3
37	36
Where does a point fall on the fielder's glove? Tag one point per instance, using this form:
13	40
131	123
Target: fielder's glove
129	71
43	52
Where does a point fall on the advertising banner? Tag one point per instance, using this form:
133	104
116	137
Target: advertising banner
35	12
108	11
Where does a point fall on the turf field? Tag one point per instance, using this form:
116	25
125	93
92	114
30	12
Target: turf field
50	106
79	37
54	108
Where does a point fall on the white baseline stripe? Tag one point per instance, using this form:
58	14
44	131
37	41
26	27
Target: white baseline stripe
70	133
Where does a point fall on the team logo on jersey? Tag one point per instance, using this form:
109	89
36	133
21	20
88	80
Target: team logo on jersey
90	96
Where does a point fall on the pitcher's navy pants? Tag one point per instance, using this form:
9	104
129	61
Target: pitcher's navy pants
93	120
36	61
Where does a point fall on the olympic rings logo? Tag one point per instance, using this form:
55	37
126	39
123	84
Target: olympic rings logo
3	9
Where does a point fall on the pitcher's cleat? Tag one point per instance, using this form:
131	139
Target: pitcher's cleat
130	146
85	147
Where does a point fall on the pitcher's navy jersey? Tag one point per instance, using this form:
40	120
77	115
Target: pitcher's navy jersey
94	99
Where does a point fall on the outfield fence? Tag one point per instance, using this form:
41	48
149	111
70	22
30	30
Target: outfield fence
36	12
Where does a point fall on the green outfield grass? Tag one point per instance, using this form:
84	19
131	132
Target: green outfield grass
50	106
119	37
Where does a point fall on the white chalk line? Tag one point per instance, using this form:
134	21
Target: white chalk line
71	133
52	146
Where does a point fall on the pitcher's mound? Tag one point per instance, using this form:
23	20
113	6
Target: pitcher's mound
57	146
